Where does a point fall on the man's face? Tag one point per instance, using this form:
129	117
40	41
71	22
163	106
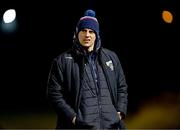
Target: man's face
87	38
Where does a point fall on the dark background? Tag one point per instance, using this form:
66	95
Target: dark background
146	45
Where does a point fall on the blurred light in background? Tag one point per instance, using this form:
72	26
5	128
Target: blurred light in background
9	22
161	112
167	16
9	16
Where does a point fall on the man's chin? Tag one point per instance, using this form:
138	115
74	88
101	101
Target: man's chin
86	45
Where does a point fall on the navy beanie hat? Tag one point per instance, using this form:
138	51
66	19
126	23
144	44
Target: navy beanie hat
88	21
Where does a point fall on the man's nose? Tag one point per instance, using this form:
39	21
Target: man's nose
87	34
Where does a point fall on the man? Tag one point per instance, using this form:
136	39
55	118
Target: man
86	84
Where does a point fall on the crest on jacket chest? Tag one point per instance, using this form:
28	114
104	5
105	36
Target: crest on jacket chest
110	65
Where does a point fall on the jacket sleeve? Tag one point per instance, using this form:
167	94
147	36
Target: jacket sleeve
55	91
122	94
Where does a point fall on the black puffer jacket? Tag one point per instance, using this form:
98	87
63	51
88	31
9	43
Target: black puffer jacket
65	80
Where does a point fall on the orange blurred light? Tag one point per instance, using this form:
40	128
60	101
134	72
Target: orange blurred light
167	16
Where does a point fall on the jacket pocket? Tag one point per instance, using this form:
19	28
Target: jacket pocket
79	122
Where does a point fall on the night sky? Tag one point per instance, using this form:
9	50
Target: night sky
147	47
